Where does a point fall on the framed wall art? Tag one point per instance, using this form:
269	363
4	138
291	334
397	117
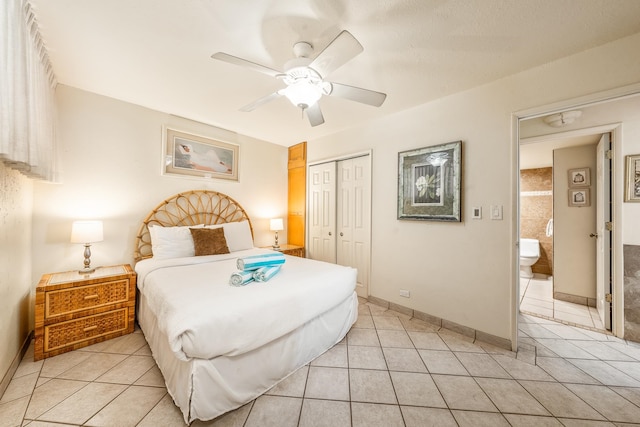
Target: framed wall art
632	190
579	197
429	183
197	156
579	177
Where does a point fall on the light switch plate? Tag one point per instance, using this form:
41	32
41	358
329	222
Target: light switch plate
496	211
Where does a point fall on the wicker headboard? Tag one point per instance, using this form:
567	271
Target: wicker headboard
189	208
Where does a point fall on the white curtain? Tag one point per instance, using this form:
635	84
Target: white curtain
27	91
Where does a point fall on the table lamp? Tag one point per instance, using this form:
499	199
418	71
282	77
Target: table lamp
86	232
276	225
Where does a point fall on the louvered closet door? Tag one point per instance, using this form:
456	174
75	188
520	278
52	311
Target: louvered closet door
353	221
322	212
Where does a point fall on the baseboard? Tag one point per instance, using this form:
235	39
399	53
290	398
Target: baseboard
575	299
445	324
14	364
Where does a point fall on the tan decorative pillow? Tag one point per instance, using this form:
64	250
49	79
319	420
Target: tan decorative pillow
209	241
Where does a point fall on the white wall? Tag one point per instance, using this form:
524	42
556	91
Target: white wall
16	309
465	272
111	167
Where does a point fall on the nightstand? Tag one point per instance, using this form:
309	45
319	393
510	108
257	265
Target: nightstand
75	310
290	250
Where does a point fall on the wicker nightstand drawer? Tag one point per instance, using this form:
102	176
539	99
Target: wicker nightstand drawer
295	251
289	250
76	310
65	301
65	334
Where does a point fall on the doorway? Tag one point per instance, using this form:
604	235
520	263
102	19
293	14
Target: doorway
572	277
604	112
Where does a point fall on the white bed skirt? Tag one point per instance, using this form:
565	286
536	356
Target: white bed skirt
204	389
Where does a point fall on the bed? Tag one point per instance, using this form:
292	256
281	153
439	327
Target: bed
220	346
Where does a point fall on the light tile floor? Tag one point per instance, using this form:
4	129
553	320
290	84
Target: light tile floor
536	298
390	370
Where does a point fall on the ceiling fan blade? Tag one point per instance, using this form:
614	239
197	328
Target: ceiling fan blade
257	103
314	114
342	49
358	94
247	64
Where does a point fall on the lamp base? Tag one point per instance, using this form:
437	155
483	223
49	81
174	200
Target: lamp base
87	260
276	247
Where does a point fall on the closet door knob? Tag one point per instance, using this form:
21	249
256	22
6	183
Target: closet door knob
341	234
329	233
593	235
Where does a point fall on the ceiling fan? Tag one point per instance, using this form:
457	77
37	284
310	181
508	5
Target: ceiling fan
305	77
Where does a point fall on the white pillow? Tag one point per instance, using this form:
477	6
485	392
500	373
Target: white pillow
237	234
172	242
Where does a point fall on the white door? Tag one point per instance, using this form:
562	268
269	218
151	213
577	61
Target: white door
322	212
574	228
353	222
603	218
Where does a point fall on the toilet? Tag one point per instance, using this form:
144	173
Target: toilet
529	255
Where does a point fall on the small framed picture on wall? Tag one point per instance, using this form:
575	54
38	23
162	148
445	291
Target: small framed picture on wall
579	197
579	177
632	193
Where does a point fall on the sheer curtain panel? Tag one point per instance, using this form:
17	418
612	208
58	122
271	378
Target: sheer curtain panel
27	91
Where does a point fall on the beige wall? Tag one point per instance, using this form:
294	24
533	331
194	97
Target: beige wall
574	250
466	272
111	162
536	209
16	194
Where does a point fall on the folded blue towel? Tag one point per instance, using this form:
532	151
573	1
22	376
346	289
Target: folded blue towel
241	278
254	262
265	273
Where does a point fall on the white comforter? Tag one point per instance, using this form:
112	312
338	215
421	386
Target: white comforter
204	317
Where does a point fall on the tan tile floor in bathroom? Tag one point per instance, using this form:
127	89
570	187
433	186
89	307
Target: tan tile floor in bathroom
390	370
536	297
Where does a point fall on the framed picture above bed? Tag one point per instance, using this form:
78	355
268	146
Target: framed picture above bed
429	183
195	156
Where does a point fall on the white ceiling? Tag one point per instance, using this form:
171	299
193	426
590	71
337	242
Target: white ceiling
156	53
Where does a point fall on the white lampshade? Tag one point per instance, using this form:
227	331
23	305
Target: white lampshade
86	232
276	224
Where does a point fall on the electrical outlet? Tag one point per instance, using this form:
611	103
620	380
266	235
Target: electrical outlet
405	293
477	213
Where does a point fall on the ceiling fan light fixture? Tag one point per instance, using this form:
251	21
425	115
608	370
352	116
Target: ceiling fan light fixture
562	119
302	93
304	77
